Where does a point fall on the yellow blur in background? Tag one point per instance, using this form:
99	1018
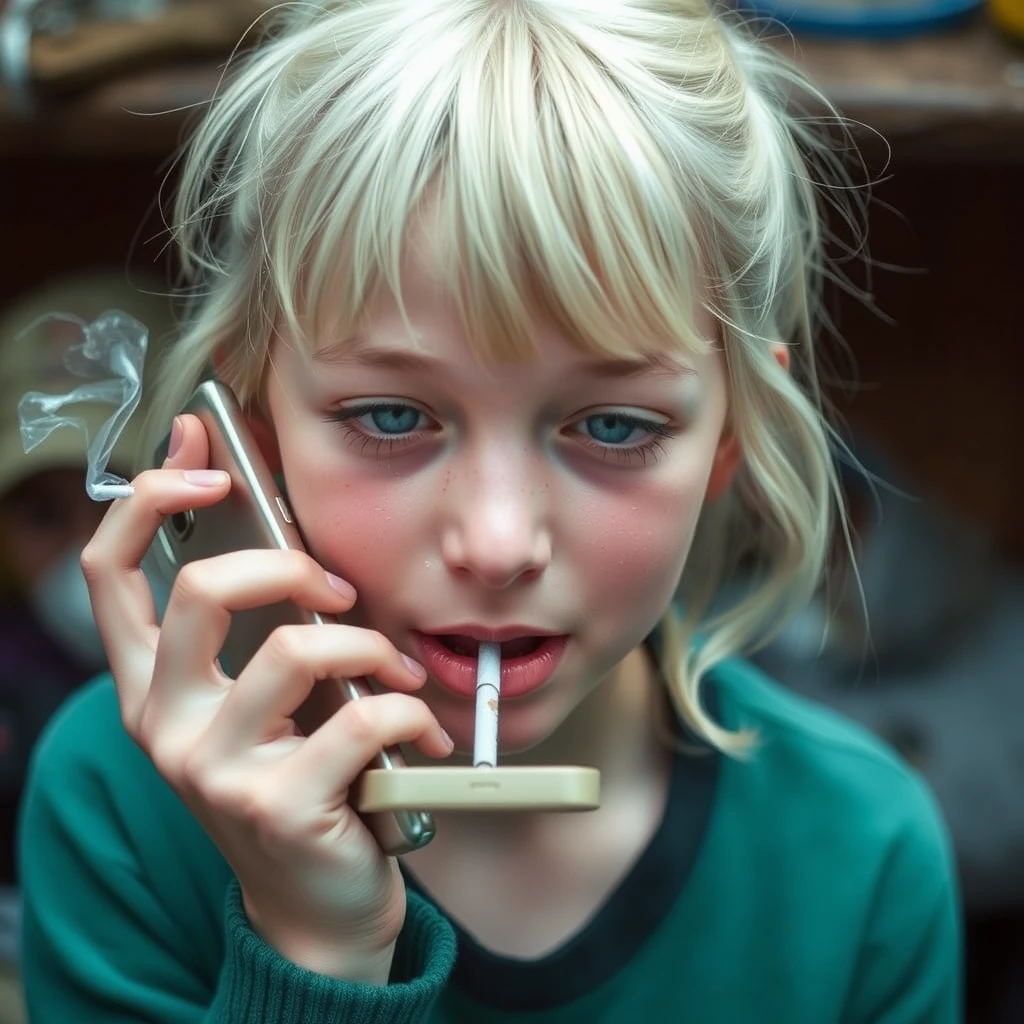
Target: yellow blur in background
1008	17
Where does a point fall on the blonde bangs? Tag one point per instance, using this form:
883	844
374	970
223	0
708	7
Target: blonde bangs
522	161
555	191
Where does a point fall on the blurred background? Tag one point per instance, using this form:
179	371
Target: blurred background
928	382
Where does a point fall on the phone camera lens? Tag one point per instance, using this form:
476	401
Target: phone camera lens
182	523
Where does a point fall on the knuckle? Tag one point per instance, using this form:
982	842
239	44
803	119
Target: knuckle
146	485
131	720
162	752
361	720
144	480
194	774
91	560
162	746
287	644
197	775
418	710
297	563
188	584
379	646
146	732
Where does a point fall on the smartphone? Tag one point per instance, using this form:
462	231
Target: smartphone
255	514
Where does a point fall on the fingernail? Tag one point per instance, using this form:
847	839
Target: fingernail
205	477
414	667
448	740
343	587
175	442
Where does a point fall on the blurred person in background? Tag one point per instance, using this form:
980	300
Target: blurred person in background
49	644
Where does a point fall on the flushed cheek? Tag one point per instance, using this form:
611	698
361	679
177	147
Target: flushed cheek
365	530
639	543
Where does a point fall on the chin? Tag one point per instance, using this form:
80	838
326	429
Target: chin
518	739
515	738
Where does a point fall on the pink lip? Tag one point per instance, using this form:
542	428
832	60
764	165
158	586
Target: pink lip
519	676
493	635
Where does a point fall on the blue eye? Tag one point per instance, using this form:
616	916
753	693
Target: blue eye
393	419
381	419
614	428
624	436
383	429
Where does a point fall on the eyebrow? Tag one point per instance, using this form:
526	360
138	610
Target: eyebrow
359	350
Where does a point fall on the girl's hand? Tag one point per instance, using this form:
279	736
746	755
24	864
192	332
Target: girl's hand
315	884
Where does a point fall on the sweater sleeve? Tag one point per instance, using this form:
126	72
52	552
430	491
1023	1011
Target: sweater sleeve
131	914
258	984
910	965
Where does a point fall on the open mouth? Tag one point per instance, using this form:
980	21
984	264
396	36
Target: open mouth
469	647
453	659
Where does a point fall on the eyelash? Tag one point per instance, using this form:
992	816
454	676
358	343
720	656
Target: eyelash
651	449
384	445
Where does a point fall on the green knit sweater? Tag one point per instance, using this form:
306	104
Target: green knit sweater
809	884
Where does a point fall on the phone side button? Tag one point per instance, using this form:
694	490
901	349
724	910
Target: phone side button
282	507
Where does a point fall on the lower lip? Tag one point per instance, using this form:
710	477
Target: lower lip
519	676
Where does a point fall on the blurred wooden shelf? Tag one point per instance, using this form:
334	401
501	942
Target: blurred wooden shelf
141	115
955	94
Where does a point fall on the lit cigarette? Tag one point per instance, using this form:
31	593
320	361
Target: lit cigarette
488	692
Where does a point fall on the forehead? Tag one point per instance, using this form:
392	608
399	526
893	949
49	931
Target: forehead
429	351
432	301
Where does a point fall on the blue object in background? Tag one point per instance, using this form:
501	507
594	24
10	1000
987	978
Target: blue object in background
872	19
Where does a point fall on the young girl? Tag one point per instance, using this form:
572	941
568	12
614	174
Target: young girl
518	296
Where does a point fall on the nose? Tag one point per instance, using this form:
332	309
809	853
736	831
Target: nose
496	529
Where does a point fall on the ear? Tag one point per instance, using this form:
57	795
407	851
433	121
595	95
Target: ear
723	469
729	454
781	353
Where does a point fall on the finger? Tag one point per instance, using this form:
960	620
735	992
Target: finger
130	524
324	765
188	444
116	549
111	562
203	599
289	665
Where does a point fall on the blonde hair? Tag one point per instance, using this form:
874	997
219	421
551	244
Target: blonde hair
615	162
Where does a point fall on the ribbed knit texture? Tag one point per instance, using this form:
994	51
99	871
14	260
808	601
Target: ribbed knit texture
258	984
